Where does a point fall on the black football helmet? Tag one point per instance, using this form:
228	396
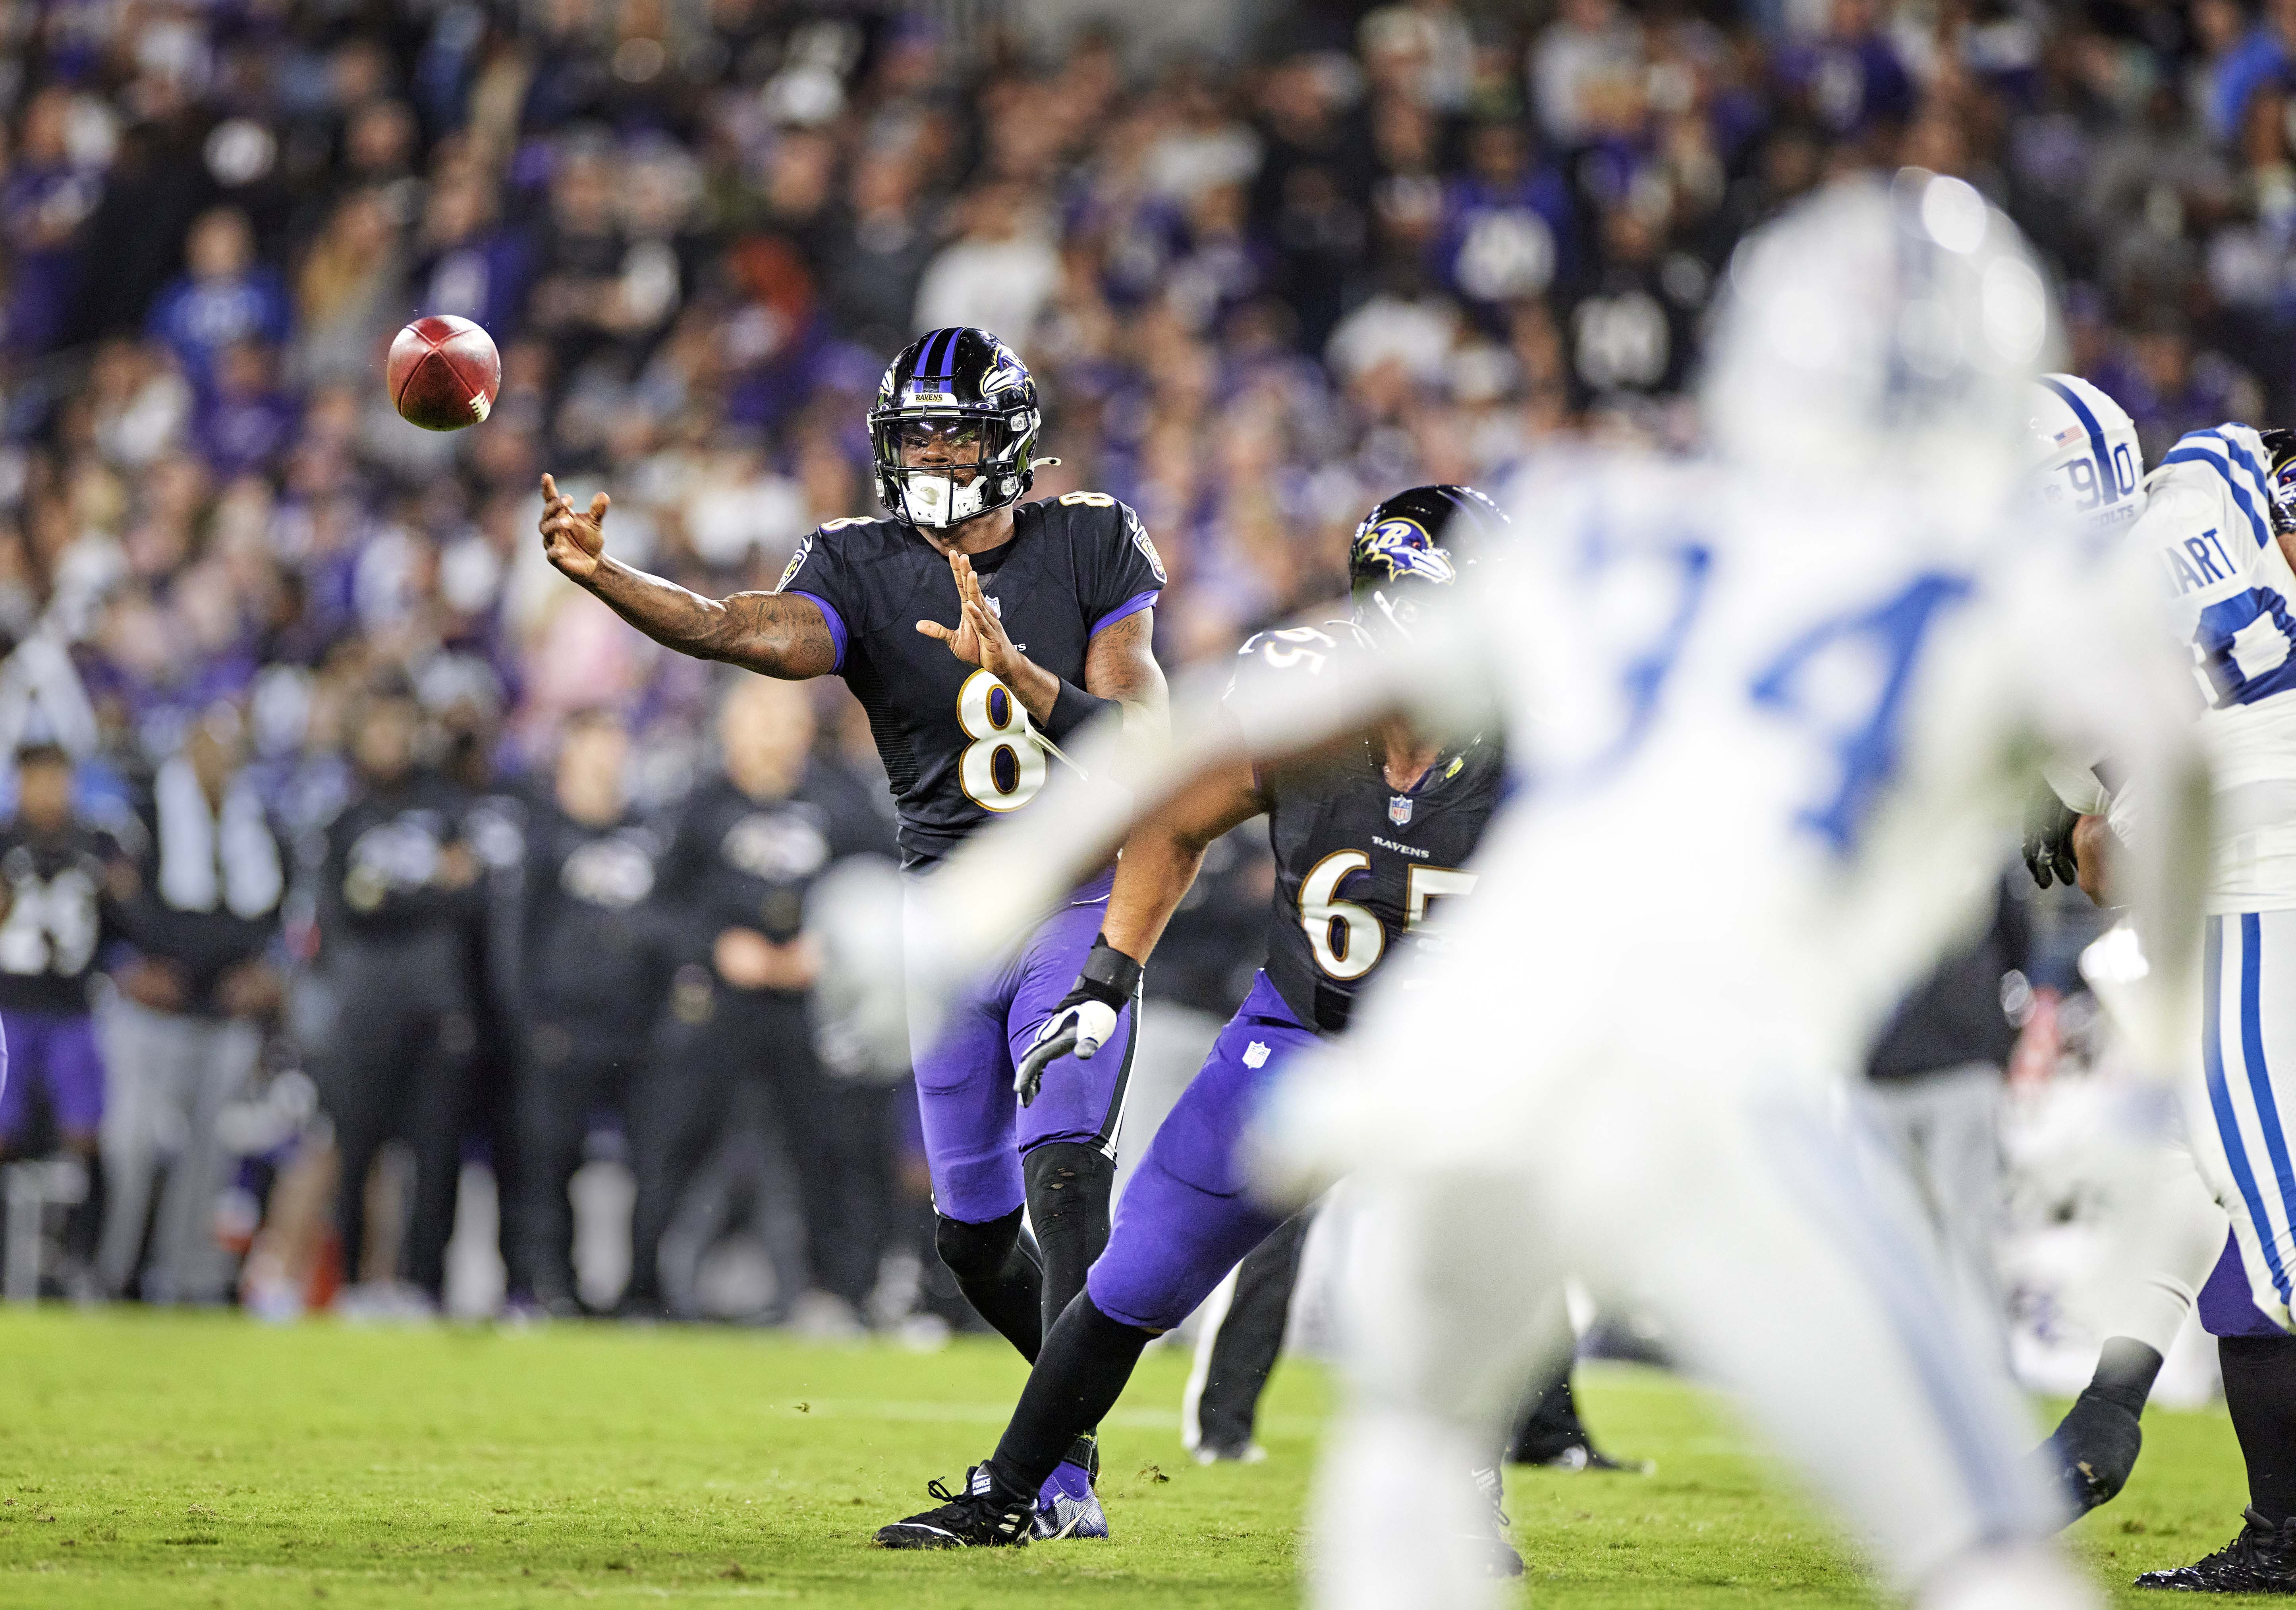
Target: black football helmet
2279	447
1412	541
967	393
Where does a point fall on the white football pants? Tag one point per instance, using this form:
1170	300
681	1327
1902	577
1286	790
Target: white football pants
1784	1261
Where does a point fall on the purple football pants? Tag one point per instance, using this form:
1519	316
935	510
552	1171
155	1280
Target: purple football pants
2226	1307
976	1130
57	1050
1185	1217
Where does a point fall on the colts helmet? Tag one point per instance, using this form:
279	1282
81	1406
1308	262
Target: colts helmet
2086	459
1405	545
950	378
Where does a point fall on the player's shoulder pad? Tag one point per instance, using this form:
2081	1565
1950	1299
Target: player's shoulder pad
1097	517
856	536
2219	474
1293	650
2179	499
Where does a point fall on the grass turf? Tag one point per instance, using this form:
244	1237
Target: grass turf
153	1461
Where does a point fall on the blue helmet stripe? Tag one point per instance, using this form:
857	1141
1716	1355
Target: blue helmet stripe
948	355
924	353
2106	472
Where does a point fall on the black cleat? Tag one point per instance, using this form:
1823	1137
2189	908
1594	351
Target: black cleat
1491	1523
2092	1451
1550	1433
984	1516
1586	1456
2262	1559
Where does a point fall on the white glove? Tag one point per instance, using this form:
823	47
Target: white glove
1085	1019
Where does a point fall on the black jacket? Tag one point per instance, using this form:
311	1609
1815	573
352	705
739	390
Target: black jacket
596	950
391	933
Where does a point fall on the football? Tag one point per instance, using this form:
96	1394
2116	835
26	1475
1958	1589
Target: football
443	373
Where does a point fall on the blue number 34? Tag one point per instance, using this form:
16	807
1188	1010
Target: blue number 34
1867	748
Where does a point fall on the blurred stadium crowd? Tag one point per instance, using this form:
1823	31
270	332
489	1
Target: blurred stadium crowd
1260	290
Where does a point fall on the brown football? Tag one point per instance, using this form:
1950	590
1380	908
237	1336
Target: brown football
444	373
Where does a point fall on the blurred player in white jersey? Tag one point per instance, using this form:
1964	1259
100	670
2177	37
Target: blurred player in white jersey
2217	523
1774	711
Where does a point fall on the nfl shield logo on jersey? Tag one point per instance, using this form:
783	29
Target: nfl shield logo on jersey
1399	808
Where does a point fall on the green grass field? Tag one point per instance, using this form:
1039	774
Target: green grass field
150	1461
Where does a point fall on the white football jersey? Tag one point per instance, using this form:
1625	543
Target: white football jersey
2207	527
1776	744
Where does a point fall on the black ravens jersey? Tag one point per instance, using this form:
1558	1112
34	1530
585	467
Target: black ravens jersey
58	914
954	742
1361	868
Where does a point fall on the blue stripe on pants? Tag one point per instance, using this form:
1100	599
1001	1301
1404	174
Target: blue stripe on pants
2260	1082
2220	1101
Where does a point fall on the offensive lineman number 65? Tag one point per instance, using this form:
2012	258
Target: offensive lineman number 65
1347	939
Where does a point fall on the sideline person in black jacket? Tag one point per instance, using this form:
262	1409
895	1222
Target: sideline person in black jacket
595	967
396	897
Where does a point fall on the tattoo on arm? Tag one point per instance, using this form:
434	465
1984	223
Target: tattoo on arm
1121	665
777	634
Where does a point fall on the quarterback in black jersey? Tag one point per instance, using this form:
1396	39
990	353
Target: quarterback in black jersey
974	628
1369	840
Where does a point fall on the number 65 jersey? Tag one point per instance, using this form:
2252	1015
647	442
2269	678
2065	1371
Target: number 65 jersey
957	744
2208	525
1363	869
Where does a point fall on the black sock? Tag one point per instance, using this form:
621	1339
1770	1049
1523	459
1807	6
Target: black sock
2260	1382
1088	1359
1549	1424
997	1269
85	1221
1069	1186
2125	1373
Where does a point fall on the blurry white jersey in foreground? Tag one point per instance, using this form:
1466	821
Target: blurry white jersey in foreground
1776	746
2208	527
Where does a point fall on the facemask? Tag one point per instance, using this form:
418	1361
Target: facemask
938	500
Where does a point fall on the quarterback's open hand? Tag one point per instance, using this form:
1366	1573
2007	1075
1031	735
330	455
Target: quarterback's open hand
573	542
978	638
1085	1019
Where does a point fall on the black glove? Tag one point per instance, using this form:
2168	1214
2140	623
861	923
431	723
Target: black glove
2049	847
1084	1020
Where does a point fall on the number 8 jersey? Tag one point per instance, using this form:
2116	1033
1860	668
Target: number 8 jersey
2208	523
957	746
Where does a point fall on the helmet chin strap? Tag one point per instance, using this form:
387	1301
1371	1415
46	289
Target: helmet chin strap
1386	607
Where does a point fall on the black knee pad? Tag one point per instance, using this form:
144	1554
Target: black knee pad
1066	1178
976	1251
